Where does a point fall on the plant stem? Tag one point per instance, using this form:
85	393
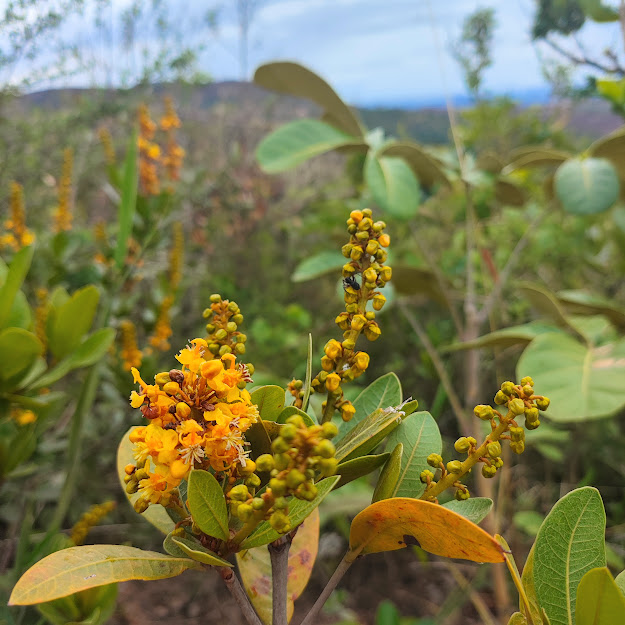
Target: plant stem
279	554
463	422
341	569
236	590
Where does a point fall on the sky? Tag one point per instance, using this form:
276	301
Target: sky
373	52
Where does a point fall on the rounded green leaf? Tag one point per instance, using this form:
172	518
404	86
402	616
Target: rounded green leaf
289	411
207	504
582	382
586	186
420	437
475	508
78	568
570	542
318	265
296	142
270	401
156	515
417	281
21	315
297	80
393	185
426	168
19	349
13	281
530	156
599	600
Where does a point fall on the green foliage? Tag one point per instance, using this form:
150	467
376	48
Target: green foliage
599	599
206	500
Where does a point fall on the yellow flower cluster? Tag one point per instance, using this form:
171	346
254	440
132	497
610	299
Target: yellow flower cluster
176	256
198	415
23	417
149	153
162	329
90	519
107	145
131	355
63	212
17	235
174	154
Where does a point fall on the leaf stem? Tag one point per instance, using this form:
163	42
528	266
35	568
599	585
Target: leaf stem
279	555
236	590
341	569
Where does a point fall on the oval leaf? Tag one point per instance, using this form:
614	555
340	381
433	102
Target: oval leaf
426	168
156	515
417	281
353	469
78	568
297	80
255	569
195	551
289	411
395	523
298	511
270	401
207	504
387	482
475	508
587	186
318	265
13	281
570	542
582	382
420	437
599	600
393	185
19	349
296	142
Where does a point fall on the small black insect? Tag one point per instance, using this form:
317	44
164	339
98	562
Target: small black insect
351	281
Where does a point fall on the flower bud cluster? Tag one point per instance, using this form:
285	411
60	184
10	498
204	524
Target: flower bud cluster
90	519
224	336
300	455
363	275
519	399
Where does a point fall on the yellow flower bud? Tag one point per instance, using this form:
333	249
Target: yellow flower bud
370	275
386	273
361	360
333	381
136	400
333	349
517	407
356	215
378	301
358	322
372	331
347	411
182	410
171	388
384	240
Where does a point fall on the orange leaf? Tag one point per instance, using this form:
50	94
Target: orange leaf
395	523
255	568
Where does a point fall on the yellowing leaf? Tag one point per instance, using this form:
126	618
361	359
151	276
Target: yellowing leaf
78	568
255	568
395	523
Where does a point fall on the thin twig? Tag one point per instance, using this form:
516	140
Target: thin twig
279	555
491	300
454	400
584	60
341	569
478	603
240	596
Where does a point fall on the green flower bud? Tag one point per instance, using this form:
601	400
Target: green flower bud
497	462
215	298
425	475
435	460
517	407
264	462
258	503
455	466
494	449
294	478
517	434
329	430
238	319
282	461
288	432
221	334
462	445
489	471
279	521
325	449
239	492
278	487
231	326
461	495
508	388
279	446
328	466
296	419
500	398
533	425
472	441
527	381
484	412
531	415
245	512
281	503
543	403
225	349
528	391
517	447
141	505
253	481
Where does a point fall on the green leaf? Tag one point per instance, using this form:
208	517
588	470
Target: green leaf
393	185
318	265
298	511
297	80
475	508
527	579
426	168
13	282
128	201
517	619
21	315
270	401
612	90
528	521
582	303
570	542
86	354
599	600
156	515
387	482
417	281
620	581
207	504
19	349
194	550
78	568
526	157
582	382
509	193
599	12
611	147
258	438
387	614
506	337
296	142
420	437
587	186
353	469
381	393
72	321
289	411
93	606
547	303
367	435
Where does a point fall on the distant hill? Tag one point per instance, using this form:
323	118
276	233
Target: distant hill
590	118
